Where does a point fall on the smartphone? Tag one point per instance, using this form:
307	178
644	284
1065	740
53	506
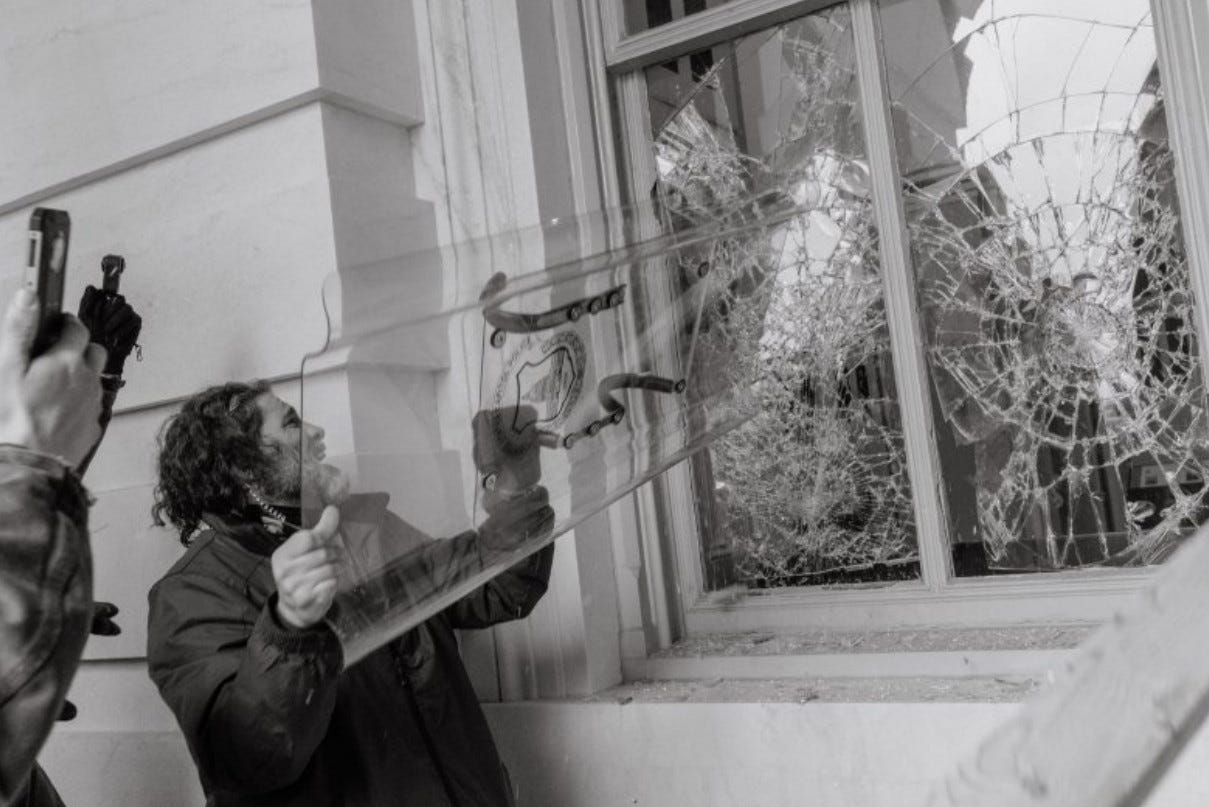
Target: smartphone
49	235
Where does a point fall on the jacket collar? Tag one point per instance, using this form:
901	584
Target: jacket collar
247	529
260	536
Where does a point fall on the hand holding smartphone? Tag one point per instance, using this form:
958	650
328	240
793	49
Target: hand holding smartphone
49	235
49	405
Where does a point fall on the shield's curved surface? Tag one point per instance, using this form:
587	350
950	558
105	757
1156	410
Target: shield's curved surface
482	399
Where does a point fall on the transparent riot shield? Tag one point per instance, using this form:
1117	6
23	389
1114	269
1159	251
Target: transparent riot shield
482	399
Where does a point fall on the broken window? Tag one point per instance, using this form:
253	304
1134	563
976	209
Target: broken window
814	487
1052	279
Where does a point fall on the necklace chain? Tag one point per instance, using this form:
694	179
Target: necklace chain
273	513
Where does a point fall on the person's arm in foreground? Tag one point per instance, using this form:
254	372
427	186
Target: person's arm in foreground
254	704
48	420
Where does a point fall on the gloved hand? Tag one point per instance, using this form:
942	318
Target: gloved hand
112	323
517	505
512	522
102	619
102	625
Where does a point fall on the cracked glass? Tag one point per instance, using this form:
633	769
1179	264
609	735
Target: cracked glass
1052	280
812	488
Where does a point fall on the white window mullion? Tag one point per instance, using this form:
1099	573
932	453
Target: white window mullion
668	536
1181	30
611	17
635	139
906	344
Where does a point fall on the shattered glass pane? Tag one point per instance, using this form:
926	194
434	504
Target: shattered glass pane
814	487
1052	279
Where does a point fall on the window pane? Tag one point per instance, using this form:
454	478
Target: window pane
1052	278
814	488
641	15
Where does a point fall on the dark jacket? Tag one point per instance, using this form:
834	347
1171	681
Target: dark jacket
270	718
45	609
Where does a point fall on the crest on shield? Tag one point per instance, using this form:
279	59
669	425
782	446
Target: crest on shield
538	388
549	385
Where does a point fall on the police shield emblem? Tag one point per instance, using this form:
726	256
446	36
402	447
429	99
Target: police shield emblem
540	387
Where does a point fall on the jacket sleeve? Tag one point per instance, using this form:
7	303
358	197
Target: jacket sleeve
45	602
253	697
109	395
511	594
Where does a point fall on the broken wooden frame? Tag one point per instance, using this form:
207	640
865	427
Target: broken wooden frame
1117	714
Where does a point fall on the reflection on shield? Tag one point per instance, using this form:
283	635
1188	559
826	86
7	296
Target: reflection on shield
549	385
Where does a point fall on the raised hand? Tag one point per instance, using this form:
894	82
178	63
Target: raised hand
112	323
305	568
51	403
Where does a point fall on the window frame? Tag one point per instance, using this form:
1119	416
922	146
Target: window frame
666	511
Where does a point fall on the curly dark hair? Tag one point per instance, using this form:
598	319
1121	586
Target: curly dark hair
207	452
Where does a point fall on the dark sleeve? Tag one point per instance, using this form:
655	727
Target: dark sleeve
514	521
252	697
45	602
109	394
511	594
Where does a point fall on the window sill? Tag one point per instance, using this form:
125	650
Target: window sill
1088	597
807	690
930	664
1008	657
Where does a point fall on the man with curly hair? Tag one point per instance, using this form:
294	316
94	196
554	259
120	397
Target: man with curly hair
239	650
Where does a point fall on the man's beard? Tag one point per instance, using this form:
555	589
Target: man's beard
292	481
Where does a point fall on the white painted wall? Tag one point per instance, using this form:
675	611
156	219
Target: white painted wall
235	157
209	151
659	755
124	748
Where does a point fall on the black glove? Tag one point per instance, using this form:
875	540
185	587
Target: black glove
113	324
67	711
522	519
102	619
518	507
102	625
